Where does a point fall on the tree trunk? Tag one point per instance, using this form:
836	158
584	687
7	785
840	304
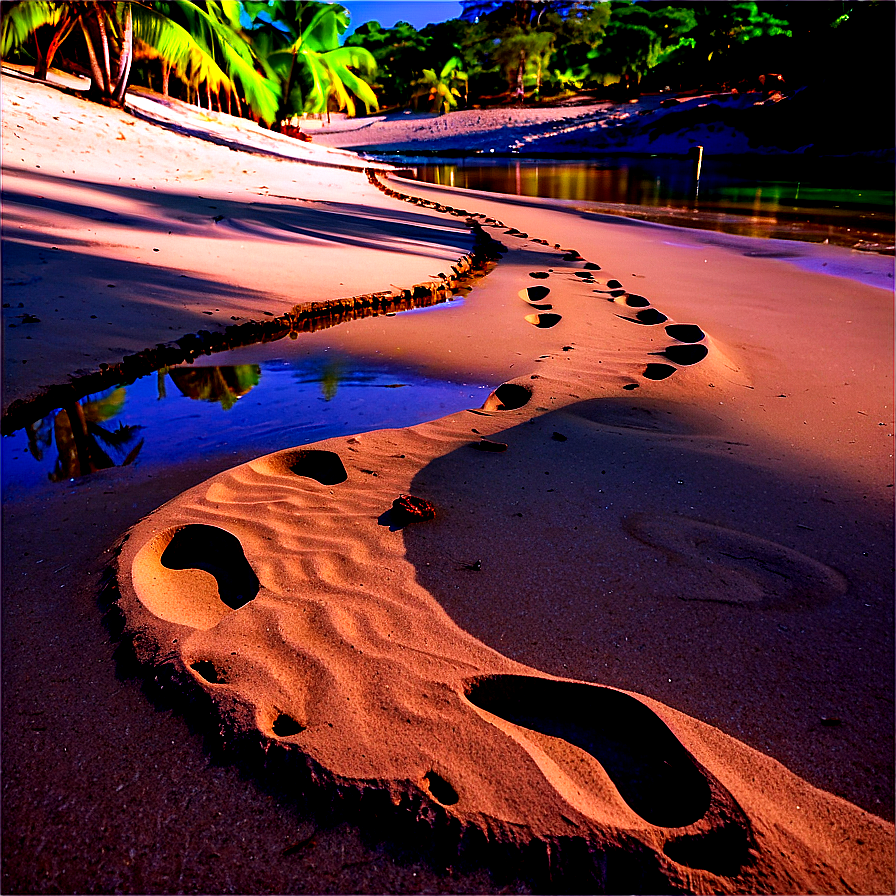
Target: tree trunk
96	72
103	43
44	60
125	57
166	74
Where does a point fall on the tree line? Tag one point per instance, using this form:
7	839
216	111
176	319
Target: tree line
273	59
537	50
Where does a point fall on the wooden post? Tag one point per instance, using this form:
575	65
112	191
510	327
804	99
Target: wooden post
696	153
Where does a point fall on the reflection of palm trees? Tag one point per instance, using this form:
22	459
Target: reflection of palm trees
78	434
329	379
221	384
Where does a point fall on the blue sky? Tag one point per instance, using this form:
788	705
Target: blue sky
388	12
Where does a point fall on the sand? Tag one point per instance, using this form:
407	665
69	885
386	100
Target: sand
646	647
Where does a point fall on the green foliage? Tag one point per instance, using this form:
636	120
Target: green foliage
203	42
401	53
638	38
21	19
205	45
298	44
440	90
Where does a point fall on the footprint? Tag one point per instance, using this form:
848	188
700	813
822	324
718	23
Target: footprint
544	321
584	275
653	772
732	567
684	354
508	397
218	552
634	301
193	575
325	467
539	275
685	332
534	293
591	266
658	371
649	317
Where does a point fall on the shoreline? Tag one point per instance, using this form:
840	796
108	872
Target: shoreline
587	573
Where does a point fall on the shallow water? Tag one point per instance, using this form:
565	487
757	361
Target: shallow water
178	413
845	202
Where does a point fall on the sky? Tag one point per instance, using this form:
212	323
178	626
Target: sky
388	12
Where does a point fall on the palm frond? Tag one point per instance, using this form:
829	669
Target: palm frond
21	20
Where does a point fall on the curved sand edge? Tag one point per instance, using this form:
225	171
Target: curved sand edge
348	674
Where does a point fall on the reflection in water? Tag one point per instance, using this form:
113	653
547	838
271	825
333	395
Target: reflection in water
223	409
78	435
223	385
797	198
329	379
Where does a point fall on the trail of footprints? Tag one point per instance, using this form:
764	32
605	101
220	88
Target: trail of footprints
688	348
654	774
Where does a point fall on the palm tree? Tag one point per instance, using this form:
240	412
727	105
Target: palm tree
439	89
298	43
202	41
78	435
224	385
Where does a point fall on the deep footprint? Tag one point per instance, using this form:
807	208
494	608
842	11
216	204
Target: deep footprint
534	293
508	397
685	332
658	371
544	321
325	467
649	317
653	772
219	553
539	275
685	354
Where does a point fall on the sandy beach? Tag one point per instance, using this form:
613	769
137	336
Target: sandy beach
644	645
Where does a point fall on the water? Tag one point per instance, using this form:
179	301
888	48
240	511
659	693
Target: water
179	413
845	202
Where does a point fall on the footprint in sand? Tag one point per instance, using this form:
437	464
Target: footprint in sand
685	332
652	771
684	355
539	275
534	293
544	321
658	371
631	300
325	467
649	317
508	397
195	575
733	567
